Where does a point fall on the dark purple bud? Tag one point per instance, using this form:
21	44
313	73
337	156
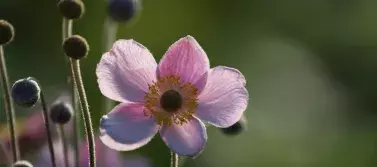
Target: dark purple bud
22	164
76	47
26	92
237	128
61	113
71	9
6	32
123	10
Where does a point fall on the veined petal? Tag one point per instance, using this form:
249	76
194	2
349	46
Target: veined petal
224	99
187	139
126	127
125	71
186	59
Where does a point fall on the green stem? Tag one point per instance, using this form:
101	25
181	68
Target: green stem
109	35
67	32
9	109
77	79
174	159
47	127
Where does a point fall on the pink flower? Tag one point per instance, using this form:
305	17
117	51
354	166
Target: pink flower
171	97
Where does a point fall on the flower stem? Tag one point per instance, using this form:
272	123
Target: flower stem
109	35
79	86
77	79
174	159
47	127
9	109
63	140
67	32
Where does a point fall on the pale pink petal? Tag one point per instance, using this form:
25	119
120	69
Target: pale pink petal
186	59
125	71
224	99
188	139
126	127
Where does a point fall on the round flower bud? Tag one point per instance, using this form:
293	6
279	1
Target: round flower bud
71	9
22	164
26	92
123	10
61	113
76	47
6	32
236	128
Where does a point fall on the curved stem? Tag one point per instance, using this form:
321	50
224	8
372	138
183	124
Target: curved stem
77	79
67	32
48	131
174	159
109	35
9	109
63	140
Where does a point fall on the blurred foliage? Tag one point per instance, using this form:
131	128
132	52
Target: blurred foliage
311	68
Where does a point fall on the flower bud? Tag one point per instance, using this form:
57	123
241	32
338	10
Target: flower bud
236	128
76	47
26	92
22	164
123	10
61	113
6	32
71	9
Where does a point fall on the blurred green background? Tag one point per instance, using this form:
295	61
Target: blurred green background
311	67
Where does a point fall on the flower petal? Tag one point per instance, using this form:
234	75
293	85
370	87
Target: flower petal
126	127
188	139
186	59
224	99
125	71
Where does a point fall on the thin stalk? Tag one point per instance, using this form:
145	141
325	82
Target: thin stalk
9	109
109	35
47	127
67	32
174	159
63	140
77	79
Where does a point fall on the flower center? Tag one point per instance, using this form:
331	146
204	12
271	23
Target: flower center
171	101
